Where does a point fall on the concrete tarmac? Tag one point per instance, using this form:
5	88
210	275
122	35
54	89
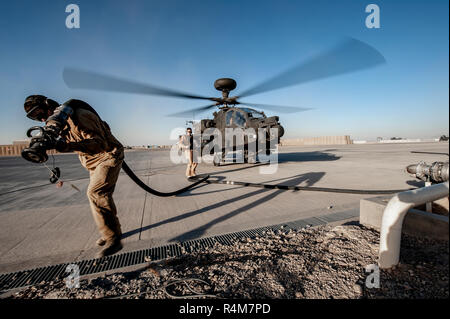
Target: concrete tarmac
41	224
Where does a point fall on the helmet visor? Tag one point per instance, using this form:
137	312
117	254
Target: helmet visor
37	113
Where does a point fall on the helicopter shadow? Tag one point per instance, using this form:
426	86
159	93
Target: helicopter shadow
317	156
283	158
189	192
212	175
221	178
308	178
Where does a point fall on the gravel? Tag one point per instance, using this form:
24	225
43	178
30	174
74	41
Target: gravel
323	262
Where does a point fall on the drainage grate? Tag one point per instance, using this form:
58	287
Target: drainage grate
58	272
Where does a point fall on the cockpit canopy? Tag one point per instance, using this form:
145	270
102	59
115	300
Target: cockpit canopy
253	113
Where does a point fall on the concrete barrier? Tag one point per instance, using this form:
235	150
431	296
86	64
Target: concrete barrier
416	222
322	140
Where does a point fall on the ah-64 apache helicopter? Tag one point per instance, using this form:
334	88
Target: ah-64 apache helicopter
348	56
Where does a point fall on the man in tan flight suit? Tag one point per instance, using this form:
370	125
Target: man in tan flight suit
187	142
99	152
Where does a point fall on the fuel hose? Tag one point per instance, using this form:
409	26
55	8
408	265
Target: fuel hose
305	188
152	191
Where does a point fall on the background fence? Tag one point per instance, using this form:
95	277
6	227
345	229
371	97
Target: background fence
16	149
322	140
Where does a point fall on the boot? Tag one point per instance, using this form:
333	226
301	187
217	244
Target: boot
100	242
112	246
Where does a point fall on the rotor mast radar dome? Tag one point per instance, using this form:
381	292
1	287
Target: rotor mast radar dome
225	85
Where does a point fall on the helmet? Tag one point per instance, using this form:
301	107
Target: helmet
37	107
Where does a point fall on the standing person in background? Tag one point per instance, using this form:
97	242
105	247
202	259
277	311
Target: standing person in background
188	144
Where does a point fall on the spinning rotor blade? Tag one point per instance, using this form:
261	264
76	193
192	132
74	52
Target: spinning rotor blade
348	56
192	112
79	79
282	109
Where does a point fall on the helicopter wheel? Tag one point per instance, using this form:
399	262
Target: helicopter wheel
268	150
217	159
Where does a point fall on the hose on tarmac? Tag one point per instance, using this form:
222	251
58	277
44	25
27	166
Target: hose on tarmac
304	188
152	191
205	179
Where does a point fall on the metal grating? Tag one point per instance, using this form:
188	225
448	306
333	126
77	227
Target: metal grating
57	272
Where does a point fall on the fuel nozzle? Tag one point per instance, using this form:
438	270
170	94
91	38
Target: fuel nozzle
437	172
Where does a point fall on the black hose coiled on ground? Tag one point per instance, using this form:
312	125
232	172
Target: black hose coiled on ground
152	191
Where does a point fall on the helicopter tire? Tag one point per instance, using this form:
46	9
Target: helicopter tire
216	161
248	160
245	149
218	158
268	150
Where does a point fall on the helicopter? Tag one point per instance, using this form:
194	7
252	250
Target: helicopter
347	56
233	117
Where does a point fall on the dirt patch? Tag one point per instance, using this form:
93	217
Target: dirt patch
322	262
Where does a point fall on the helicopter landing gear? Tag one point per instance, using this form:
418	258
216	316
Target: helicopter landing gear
246	156
219	158
250	158
216	160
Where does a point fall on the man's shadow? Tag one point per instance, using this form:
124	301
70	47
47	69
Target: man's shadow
309	179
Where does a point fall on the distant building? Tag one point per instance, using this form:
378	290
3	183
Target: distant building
21	142
14	149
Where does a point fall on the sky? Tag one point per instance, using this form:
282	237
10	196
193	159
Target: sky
187	45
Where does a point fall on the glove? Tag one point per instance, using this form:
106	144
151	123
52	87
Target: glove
61	146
